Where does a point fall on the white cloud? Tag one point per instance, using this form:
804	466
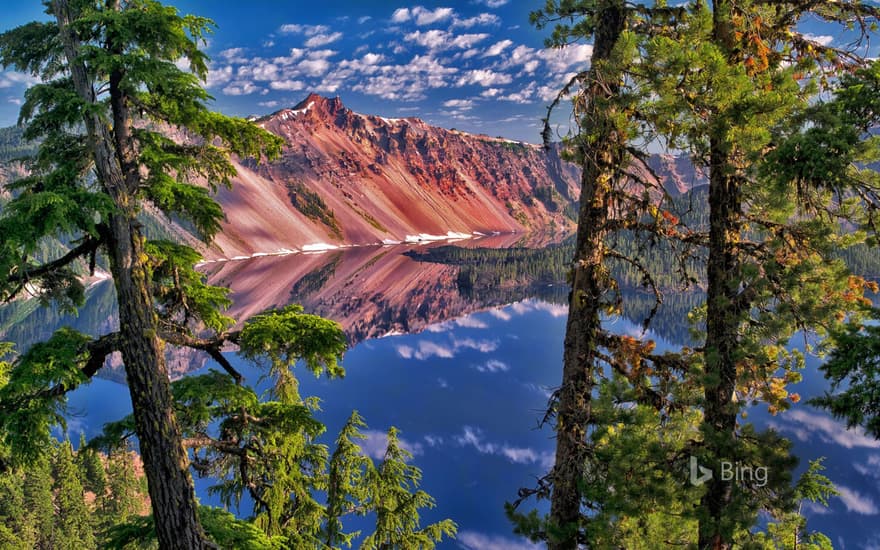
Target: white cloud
857	503
319	40
494	3
823	39
308	30
372	58
426	349
522	97
9	79
493	365
240	88
216	77
470	321
400	15
472	540
560	60
484	77
233	55
314	67
270	104
472	437
376	442
435	39
407	82
424	16
815	508
497	48
290	85
463	104
804	424
14	100
364	19
295	55
491	92
481	19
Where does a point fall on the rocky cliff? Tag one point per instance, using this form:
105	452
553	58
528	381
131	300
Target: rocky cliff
348	178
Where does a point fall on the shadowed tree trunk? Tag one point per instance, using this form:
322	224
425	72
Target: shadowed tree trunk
602	155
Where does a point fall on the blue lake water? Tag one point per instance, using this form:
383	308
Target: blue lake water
467	391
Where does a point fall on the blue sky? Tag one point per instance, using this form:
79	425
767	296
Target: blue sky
475	65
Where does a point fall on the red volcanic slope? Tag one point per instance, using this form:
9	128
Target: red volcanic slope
386	180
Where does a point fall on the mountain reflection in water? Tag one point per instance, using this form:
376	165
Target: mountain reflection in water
466	376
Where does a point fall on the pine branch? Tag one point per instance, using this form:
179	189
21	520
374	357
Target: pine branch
88	247
210	346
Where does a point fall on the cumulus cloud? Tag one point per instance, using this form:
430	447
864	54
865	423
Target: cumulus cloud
9	79
217	77
424	16
289	85
233	55
560	60
240	88
435	39
463	104
804	425
822	39
407	82
308	30
484	77
857	503
472	540
401	15
426	349
421	15
376	442
497	48
481	19
319	40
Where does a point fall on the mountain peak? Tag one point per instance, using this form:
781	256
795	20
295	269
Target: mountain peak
324	104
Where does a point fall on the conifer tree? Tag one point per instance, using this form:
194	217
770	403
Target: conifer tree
347	477
396	501
123	500
731	101
73	521
92	471
39	504
109	80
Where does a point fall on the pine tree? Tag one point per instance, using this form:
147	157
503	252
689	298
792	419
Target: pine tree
347	490
396	501
39	504
615	198
91	470
109	80
73	521
123	500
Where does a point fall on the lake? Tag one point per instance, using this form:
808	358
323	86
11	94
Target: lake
464	375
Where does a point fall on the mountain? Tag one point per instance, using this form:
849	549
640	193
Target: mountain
348	178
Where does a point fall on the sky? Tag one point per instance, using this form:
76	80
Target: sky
474	65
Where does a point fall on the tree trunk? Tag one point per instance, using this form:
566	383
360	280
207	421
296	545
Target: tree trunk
602	157
722	323
166	464
723	314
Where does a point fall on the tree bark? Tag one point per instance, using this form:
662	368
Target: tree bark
602	157
166	464
724	311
